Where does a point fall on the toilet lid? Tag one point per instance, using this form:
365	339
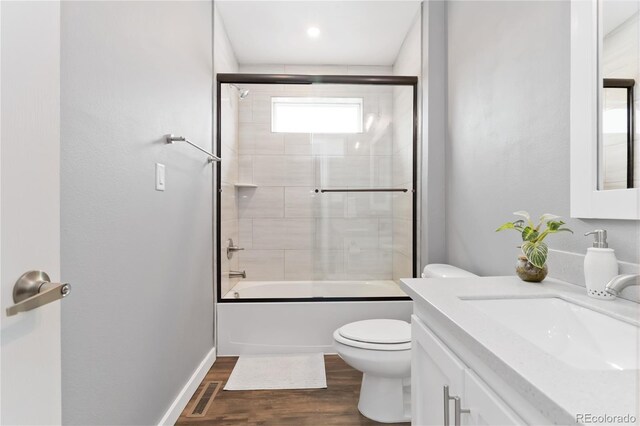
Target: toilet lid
370	346
377	331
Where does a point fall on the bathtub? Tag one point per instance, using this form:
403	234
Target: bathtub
306	322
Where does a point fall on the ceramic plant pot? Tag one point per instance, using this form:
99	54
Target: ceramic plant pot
530	273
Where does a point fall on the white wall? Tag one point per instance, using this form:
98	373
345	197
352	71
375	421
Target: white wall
508	145
434	133
140	261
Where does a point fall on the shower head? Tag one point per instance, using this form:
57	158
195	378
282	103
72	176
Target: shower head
243	93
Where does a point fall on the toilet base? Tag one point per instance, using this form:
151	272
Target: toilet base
385	399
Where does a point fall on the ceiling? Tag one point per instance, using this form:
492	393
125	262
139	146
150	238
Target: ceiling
351	32
616	12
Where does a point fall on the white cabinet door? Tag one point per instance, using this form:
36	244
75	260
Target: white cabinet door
433	366
29	208
485	407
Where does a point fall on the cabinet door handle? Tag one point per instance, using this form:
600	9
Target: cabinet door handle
446	398
458	410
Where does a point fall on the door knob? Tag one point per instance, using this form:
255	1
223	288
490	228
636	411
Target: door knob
34	289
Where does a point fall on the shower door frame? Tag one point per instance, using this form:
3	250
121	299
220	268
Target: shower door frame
373	80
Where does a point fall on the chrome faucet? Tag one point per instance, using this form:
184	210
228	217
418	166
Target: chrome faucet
237	274
620	282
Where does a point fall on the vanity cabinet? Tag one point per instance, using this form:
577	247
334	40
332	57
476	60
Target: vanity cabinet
442	384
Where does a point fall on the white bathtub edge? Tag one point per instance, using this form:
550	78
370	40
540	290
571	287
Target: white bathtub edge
295	327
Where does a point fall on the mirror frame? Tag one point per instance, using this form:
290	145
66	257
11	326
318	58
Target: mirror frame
586	115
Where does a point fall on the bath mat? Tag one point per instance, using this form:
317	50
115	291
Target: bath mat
287	371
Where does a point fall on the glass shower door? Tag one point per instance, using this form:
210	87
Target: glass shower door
363	229
322	196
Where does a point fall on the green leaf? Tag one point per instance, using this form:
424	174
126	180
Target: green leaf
529	234
517	225
546	218
554	225
508	225
536	252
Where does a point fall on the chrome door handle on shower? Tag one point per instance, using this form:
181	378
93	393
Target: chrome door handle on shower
34	289
458	410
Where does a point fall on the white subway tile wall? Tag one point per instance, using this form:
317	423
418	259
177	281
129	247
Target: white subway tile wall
291	232
402	172
266	264
264	201
230	176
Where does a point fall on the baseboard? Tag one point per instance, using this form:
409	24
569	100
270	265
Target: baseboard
181	401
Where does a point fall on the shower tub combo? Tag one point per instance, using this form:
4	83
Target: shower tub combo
321	219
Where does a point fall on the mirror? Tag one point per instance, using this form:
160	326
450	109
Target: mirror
620	70
604	104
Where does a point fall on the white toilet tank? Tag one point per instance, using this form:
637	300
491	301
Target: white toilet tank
441	270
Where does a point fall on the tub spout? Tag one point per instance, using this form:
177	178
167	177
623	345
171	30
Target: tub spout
237	274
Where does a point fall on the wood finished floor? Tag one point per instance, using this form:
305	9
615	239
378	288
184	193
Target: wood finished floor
336	405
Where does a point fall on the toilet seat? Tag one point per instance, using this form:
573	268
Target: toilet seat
377	334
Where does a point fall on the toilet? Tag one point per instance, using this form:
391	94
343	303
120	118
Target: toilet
441	270
381	350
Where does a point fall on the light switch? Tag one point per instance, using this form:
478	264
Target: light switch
159	177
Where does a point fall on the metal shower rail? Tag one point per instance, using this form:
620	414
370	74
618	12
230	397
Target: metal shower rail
322	191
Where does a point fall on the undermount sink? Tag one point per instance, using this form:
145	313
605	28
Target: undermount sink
573	334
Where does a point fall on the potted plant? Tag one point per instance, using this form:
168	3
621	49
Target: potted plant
532	264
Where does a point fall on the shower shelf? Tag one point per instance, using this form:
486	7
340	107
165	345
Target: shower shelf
245	185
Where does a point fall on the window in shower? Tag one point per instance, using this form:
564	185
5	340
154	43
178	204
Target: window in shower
316	115
316	186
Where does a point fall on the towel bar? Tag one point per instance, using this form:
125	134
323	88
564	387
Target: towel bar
172	139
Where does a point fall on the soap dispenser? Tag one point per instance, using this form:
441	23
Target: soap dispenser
600	266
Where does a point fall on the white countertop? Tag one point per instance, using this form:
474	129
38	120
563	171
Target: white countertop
558	390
